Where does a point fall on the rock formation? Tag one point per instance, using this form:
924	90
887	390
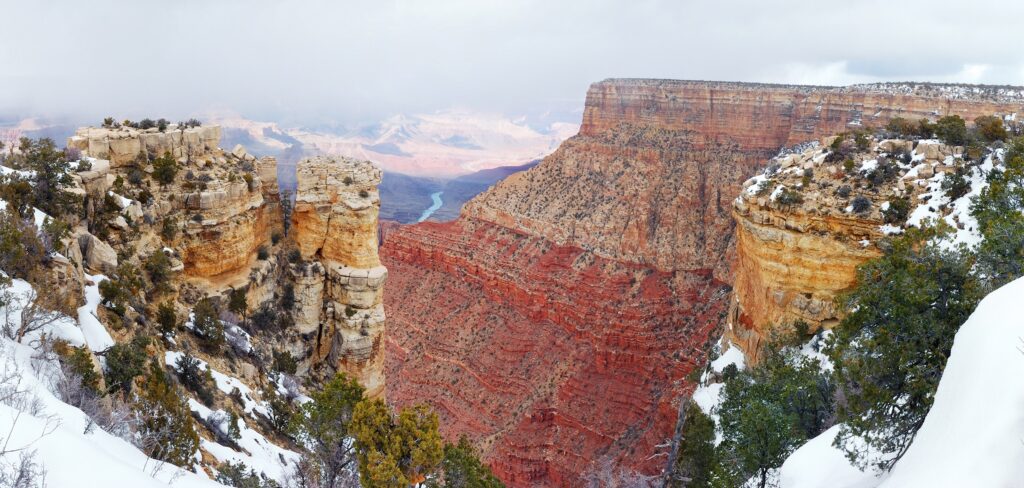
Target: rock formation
339	282
123	145
795	258
226	203
556	320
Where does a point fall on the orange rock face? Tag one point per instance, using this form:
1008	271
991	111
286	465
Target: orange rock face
555	322
339	294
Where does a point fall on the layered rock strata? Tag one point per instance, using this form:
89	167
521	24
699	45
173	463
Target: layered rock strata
339	283
800	238
555	321
225	203
123	146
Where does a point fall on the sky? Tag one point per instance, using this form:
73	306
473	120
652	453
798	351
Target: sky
358	61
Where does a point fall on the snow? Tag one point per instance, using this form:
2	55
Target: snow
889	229
965	227
776	192
258	453
973	434
96	335
19	292
868	166
819	464
56	432
121	201
732	355
225	383
708	395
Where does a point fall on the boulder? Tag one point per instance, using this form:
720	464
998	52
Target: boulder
930	149
97	255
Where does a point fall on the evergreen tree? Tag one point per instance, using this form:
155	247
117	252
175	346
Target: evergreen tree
952	130
462	467
165	168
166	319
412	444
890	349
207	326
125	362
769	411
323	426
697	457
998	212
167	430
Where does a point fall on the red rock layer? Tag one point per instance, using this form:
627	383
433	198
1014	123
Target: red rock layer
555	322
559	357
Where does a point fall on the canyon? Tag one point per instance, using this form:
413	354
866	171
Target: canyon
556	321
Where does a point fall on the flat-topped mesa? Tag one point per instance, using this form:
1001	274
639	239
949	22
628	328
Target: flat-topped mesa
122	145
340	301
768	116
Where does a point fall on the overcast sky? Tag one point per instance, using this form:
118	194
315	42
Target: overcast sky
361	60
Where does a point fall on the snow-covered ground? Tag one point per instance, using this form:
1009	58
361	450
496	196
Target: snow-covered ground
36	421
974	434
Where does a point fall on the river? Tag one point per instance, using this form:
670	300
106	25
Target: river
436	197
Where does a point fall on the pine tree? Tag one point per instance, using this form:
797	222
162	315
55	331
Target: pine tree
890	349
323	425
167	431
697	456
207	326
166	319
165	168
462	467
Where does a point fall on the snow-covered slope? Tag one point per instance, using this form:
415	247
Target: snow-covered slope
974	433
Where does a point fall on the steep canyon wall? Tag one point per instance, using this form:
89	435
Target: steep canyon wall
555	322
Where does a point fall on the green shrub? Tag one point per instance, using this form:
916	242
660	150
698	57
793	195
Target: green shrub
990	128
165	168
462	467
897	211
195	377
956	184
167	420
79	361
168	229
158	265
207	326
166	319
788	197
952	130
861	204
125	362
284	362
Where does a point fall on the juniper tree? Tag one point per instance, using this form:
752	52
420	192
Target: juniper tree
890	349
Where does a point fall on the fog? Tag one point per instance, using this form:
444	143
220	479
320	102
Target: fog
352	61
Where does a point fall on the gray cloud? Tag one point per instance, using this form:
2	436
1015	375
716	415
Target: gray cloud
349	61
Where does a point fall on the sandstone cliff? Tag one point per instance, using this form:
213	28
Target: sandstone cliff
800	237
225	208
555	322
339	282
